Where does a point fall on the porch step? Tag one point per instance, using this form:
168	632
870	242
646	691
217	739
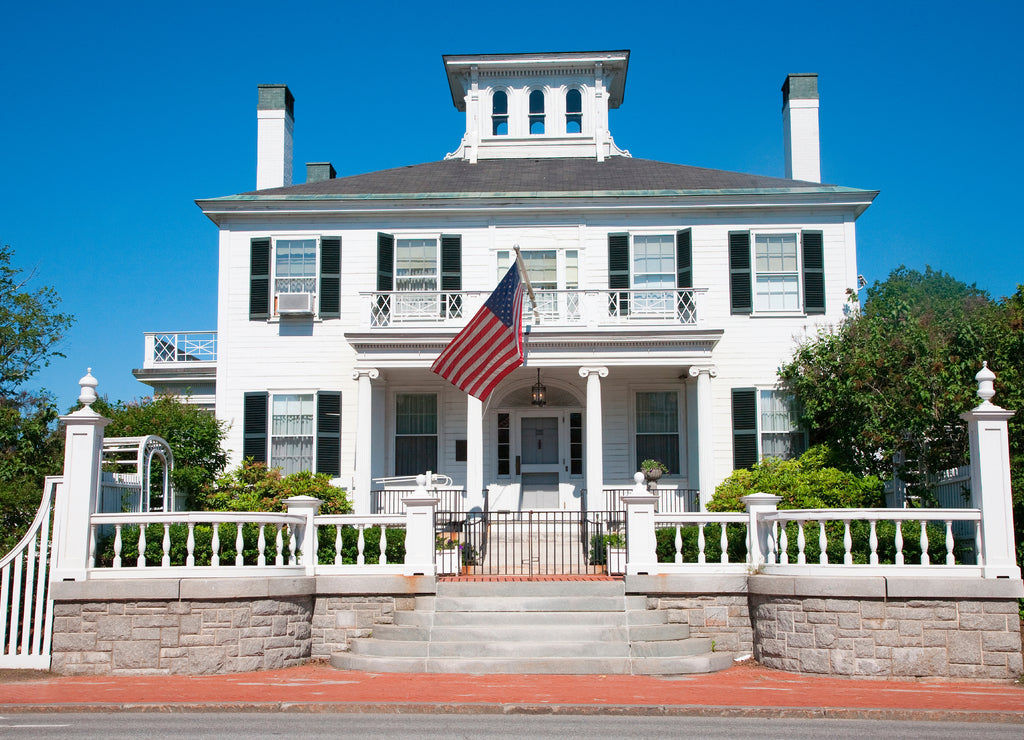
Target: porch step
563	627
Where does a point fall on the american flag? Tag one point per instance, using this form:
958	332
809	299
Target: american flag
491	345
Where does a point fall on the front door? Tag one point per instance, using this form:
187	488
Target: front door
539	472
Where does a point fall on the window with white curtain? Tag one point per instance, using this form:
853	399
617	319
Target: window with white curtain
291	432
781	435
657	428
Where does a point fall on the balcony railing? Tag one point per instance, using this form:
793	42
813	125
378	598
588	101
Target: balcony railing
554	307
175	348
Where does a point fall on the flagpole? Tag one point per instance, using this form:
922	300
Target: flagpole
526	280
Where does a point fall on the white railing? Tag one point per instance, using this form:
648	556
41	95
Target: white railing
778	545
554	307
167	348
722	525
26	611
339	528
127	536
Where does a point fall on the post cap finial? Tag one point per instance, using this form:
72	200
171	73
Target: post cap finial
985	378
88	385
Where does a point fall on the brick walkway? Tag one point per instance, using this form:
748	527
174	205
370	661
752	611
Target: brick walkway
744	690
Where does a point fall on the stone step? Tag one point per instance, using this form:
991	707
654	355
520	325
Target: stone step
512	619
664	631
483	589
705	663
647	616
529	603
481	666
546	633
670	648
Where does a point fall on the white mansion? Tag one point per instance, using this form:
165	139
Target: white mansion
667	297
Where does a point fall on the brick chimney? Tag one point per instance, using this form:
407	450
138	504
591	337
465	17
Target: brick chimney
320	171
275	118
800	127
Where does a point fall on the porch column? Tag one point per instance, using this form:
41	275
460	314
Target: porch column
705	433
595	443
474	454
364	438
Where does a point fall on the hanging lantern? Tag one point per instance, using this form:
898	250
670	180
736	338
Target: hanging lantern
540	393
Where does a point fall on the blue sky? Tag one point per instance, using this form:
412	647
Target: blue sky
115	117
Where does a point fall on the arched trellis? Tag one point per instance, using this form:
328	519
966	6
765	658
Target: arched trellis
128	474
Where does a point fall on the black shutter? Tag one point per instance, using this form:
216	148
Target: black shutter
328	433
451	275
254	426
684	259
259	278
744	427
814	272
385	262
618	270
330	277
739	272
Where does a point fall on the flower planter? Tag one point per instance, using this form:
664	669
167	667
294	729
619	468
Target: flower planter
616	561
449	562
653	475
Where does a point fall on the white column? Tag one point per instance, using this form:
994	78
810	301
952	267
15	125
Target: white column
78	493
419	531
705	433
474	454
307	507
641	541
990	479
595	441
364	439
757	505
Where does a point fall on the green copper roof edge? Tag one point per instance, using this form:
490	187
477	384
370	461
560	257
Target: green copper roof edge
825	189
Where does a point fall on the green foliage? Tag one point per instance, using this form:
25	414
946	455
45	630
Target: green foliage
599	544
255	487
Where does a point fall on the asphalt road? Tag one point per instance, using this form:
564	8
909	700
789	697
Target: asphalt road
107	726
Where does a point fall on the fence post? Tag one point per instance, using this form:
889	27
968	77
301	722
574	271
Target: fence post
990	479
641	542
306	506
419	530
77	496
757	530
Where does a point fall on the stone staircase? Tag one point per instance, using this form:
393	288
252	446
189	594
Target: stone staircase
563	627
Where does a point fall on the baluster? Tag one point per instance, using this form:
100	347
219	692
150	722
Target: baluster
724	543
822	543
383	559
293	545
337	544
117	545
279	546
92	545
190	546
899	543
773	550
979	556
360	546
261	547
847	544
215	545
239	546
166	546
950	560
701	558
784	546
141	563
678	544
925	560
801	544
873	542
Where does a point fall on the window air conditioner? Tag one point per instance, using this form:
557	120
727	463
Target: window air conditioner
295	304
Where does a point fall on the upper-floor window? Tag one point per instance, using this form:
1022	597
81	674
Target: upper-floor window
537	112
777	282
499	113
294	268
573	112
776	272
551	272
291	276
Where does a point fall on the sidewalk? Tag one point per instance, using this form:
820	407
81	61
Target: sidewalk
744	690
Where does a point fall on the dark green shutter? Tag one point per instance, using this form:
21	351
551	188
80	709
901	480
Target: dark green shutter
618	269
739	272
330	277
744	427
385	262
259	278
328	433
451	275
254	426
684	259
814	272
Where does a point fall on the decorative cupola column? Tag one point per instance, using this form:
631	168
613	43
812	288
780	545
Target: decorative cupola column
364	438
79	491
990	479
474	454
595	443
705	432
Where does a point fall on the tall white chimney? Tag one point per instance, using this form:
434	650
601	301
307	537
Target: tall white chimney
800	127
275	116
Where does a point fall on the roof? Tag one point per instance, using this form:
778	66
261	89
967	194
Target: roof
571	176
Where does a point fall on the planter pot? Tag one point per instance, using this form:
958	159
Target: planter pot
449	562
653	475
616	561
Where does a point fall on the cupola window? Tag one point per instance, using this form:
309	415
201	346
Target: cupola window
499	113
537	112
573	112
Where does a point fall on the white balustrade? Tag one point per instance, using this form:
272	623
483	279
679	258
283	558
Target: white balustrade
699	521
392	529
166	348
